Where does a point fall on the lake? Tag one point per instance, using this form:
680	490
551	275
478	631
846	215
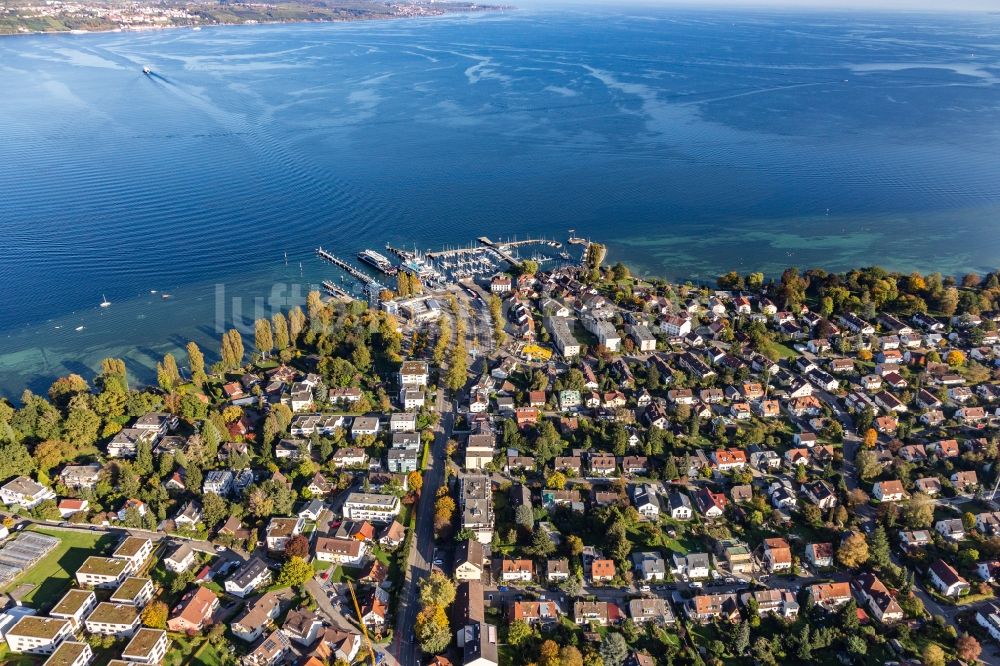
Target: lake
692	142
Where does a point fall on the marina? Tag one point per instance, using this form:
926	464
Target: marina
437	268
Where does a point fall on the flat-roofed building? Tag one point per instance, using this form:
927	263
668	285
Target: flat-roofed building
70	653
134	550
74	606
104	572
476	498
38	635
135	591
148	647
371	507
120	620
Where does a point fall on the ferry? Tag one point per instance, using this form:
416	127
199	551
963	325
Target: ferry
378	261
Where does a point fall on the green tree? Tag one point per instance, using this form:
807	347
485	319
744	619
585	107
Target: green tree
437	590
619	546
280	326
64	388
431	629
853	551
294	572
296	324
82	427
458	369
232	349
155	614
167	374
614	649
213	510
541	544
878	548
918	512
197	362
518	632
933	655
524	517
14	460
263	337
741	639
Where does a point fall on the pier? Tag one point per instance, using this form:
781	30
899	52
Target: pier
503	254
372	286
336	291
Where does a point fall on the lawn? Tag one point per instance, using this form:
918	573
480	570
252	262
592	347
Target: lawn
208	655
54	572
8	659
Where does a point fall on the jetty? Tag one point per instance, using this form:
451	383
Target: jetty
371	286
502	253
336	291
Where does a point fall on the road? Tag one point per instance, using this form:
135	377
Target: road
404	649
327	607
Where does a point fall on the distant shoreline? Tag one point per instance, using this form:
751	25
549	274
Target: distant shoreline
477	9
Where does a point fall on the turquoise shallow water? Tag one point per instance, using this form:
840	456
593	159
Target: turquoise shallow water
692	142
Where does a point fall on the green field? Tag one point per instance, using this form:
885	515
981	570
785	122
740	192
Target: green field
54	573
8	659
208	655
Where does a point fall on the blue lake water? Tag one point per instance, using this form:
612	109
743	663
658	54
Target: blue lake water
692	142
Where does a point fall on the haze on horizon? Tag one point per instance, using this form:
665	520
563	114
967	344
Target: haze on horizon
869	5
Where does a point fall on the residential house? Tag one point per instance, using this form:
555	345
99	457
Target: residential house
915	539
252	574
271	651
710	607
134	590
302	626
649	566
709	504
820	493
645	610
194	610
879	600
470	560
517	570
680	506
602	570
371	507
777	555
256	617
534	612
830	595
889	491
773	602
602	613
947	580
965	481
820	555
556	570
950	528
25	493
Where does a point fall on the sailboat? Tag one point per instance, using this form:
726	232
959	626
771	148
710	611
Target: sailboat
105	303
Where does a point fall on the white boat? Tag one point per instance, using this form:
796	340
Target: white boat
105	303
147	70
78	328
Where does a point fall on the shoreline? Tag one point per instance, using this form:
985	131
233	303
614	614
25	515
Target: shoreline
479	9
